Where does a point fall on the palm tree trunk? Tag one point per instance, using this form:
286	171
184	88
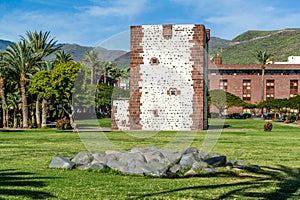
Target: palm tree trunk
24	101
262	86
2	94
44	112
37	113
15	118
104	78
92	74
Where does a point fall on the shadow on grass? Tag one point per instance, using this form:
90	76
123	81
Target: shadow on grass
277	183
216	126
12	183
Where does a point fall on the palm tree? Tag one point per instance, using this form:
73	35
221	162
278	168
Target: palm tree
263	58
107	68
2	90
42	45
119	73
13	100
21	63
92	57
62	57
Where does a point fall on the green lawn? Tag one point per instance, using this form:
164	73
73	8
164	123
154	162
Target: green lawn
25	156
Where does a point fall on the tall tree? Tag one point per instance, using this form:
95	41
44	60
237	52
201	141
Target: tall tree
21	63
13	100
119	73
41	85
62	57
93	59
2	90
108	67
42	45
222	100
63	78
263	57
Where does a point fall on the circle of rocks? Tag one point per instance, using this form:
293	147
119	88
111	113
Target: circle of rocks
153	161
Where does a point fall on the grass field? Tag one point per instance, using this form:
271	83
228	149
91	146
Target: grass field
25	156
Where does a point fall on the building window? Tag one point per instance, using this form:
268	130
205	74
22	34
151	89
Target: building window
247	90
154	61
173	92
223	85
270	89
293	88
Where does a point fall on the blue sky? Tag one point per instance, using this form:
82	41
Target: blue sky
107	23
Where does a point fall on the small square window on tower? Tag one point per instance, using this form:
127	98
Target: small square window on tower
154	61
173	92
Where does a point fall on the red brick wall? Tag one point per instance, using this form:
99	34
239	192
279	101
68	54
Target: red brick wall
235	82
198	57
136	36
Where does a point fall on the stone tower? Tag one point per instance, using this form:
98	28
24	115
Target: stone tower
168	79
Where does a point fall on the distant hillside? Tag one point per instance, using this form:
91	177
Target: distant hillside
216	42
281	43
4	44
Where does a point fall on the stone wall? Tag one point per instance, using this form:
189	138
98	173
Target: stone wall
168	71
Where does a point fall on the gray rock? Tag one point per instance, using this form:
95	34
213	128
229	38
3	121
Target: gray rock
96	166
187	161
112	156
153	155
61	162
175	169
107	152
190	150
143	149
209	171
190	173
202	155
126	158
99	158
172	156
83	158
116	165
157	169
217	161
199	165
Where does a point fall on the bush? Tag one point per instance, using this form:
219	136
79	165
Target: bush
268	126
63	124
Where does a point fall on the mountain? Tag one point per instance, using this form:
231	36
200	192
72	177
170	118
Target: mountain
4	44
78	51
216	42
280	43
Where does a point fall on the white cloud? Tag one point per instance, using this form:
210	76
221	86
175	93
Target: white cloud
118	8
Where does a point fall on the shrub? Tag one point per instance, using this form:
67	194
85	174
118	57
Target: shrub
268	126
63	124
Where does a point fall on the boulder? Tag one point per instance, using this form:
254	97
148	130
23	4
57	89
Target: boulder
209	171
190	173
199	165
96	166
143	149
172	156
99	158
187	160
83	158
202	155
216	161
190	150
175	169
128	157
61	162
